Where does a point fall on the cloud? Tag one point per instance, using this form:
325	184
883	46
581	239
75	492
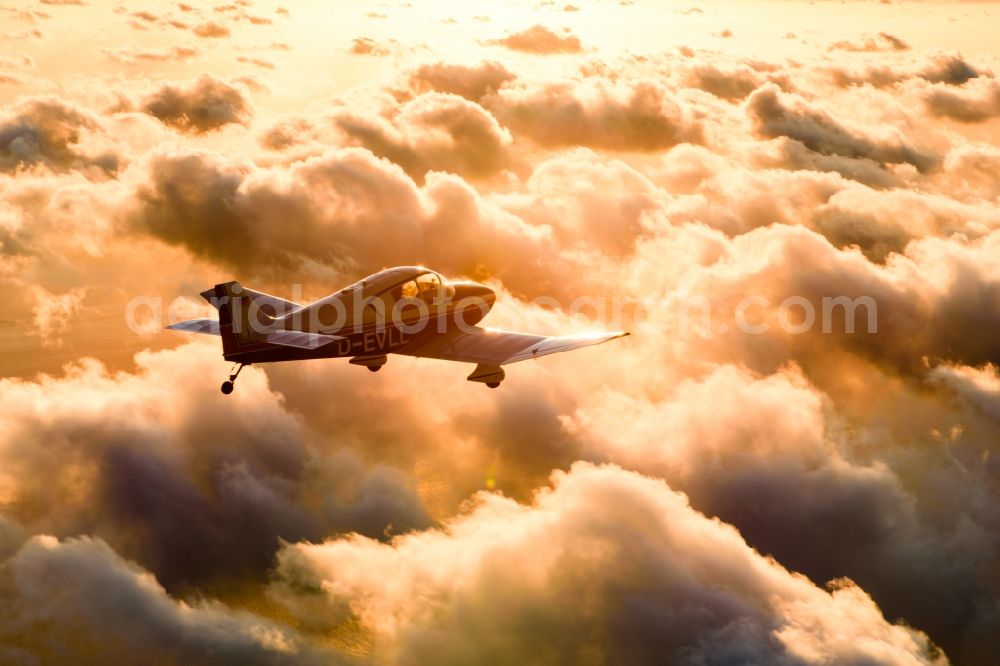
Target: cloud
11	537
975	102
588	203
912	291
266	64
747	448
145	16
952	70
605	565
641	184
112	610
198	495
540	40
472	82
244	217
22	61
973	171
979	386
730	84
776	114
25	34
210	29
786	153
368	46
857	216
595	113
53	313
26	15
202	106
435	131
135	54
48	131
883	41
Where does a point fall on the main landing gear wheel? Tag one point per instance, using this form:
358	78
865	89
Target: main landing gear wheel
491	375
374	368
228	385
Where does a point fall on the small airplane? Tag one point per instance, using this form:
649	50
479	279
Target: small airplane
407	310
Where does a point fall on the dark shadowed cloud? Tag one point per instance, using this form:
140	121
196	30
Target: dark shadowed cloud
47	131
201	106
775	114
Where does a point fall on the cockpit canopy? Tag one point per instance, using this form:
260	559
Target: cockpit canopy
400	276
429	287
378	296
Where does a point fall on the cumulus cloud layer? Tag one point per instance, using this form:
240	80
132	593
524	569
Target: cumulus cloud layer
605	566
85	589
180	489
807	476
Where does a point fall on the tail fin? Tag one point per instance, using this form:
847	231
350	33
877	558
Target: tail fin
271	305
244	315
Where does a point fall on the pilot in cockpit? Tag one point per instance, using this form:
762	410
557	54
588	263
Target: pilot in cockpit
426	287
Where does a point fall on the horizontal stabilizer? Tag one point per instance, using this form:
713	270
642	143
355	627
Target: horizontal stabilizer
207	326
300	339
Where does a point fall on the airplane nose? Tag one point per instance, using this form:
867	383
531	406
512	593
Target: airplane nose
474	292
472	301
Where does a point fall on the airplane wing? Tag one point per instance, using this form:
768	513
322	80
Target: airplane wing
495	347
207	326
300	339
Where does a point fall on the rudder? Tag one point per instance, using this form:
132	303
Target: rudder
235	306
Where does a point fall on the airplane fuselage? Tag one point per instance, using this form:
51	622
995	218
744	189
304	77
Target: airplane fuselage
407	310
377	336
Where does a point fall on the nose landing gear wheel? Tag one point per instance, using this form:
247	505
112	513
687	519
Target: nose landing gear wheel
227	387
374	368
493	384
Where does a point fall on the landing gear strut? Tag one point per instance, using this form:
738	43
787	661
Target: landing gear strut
230	384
